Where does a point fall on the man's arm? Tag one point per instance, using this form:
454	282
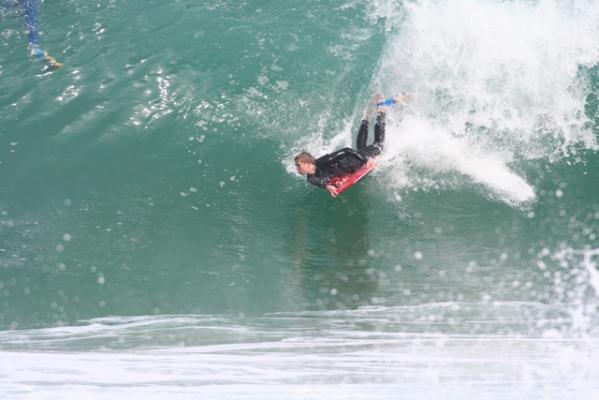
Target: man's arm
335	161
322	183
318	181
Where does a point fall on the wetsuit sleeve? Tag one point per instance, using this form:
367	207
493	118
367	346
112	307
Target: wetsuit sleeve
332	158
320	181
338	163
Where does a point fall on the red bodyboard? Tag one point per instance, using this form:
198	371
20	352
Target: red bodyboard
342	183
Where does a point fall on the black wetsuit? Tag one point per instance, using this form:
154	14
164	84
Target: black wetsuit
348	160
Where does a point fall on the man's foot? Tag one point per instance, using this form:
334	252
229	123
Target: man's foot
403	98
373	107
381	106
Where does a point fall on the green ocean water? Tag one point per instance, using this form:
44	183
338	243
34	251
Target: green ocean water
151	179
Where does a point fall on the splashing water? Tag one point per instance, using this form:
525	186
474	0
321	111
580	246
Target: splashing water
576	282
417	145
496	85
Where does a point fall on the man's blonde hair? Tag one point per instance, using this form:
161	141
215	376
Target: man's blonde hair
305	158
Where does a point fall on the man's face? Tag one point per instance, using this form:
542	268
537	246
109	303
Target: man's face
305	168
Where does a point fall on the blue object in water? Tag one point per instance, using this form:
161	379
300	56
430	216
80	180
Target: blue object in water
387	102
33	34
31	21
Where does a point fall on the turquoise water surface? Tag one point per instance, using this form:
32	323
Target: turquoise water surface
156	243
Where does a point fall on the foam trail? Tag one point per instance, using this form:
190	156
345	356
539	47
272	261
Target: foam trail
415	143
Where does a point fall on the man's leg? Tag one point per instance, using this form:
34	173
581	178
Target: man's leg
379	130
362	135
379	138
371	151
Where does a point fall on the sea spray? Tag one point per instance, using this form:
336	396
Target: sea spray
496	86
417	145
502	76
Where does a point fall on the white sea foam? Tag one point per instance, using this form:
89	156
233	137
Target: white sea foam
415	144
493	82
368	353
496	85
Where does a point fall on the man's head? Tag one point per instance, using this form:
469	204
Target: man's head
305	163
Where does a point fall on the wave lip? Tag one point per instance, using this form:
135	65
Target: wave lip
495	84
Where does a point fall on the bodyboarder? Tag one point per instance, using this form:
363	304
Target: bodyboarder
320	171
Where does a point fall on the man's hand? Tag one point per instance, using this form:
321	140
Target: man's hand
332	190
